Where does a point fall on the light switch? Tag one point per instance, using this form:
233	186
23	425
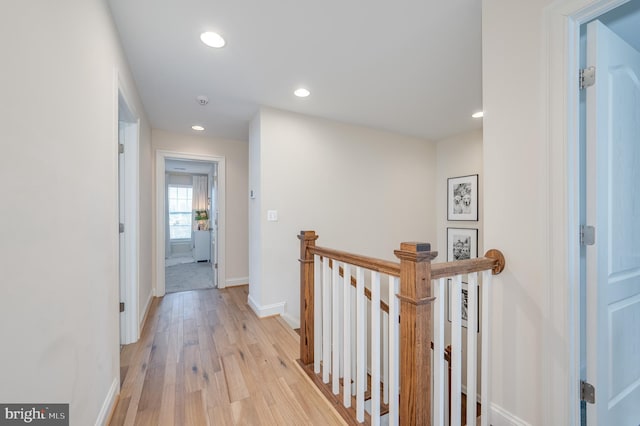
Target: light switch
272	215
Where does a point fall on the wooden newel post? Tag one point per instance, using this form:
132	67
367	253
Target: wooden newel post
416	332
307	239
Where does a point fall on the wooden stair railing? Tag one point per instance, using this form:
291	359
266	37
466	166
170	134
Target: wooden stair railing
415	297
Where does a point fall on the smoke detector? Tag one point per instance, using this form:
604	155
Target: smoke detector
202	100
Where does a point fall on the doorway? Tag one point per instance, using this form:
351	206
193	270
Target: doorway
610	261
190	230
204	246
128	218
565	302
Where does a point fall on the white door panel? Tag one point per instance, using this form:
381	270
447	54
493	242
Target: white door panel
613	207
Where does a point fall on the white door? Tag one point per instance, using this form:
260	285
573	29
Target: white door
613	207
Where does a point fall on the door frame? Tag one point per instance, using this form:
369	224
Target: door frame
562	307
160	220
130	329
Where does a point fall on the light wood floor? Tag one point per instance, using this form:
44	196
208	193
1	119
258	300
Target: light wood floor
204	358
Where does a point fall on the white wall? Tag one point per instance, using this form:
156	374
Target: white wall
515	203
459	155
58	234
179	179
362	190
237	175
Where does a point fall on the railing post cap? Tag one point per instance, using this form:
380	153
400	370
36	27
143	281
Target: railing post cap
414	246
415	251
308	235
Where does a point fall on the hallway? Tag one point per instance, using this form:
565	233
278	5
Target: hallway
204	358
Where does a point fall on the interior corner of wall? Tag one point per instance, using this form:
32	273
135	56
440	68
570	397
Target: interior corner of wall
293	322
253	304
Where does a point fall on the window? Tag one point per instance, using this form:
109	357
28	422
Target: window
180	212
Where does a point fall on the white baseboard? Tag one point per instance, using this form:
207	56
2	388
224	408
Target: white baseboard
293	322
143	319
109	402
232	282
501	417
266	310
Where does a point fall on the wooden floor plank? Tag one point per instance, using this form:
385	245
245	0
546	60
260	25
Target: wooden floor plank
195	410
235	380
205	358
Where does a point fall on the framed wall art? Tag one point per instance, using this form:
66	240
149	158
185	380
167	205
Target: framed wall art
462	198
462	243
465	303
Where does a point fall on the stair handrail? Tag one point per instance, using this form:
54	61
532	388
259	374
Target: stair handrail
416	273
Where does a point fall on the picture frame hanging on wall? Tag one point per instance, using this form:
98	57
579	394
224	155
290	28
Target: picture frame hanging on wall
462	243
462	198
465	304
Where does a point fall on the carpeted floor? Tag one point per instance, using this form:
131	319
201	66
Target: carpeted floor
172	261
190	276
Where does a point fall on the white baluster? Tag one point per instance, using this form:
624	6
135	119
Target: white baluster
439	367
486	345
360	333
472	347
375	348
346	380
317	313
326	320
394	350
335	331
456	349
341	326
354	334
385	357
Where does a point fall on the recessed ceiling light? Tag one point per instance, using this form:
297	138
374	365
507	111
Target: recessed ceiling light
478	114
302	93
212	39
197	128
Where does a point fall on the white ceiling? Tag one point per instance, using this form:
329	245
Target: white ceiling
408	66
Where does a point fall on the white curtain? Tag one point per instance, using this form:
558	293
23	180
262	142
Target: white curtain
199	199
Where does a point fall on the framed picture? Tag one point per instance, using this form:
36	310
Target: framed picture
462	243
465	303
462	198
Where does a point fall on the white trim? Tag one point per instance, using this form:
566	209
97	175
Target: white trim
266	310
292	321
501	417
130	331
561	55
161	156
233	282
109	403
147	306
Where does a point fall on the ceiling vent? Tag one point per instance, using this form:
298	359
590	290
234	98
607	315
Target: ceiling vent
202	100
